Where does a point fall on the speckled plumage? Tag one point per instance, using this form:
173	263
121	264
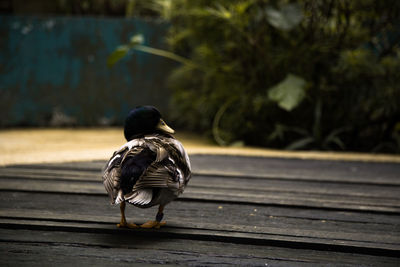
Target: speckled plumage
162	180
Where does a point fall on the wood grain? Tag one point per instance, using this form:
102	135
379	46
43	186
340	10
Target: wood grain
266	211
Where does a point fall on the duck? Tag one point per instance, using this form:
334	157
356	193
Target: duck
152	168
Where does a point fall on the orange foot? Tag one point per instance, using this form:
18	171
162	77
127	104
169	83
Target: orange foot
153	224
127	225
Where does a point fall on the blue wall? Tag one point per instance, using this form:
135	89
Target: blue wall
52	65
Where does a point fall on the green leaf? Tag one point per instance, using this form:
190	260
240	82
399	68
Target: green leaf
220	11
241	7
278	133
289	93
299	144
336	140
333	137
166	54
216	130
285	18
117	55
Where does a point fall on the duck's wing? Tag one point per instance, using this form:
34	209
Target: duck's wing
140	197
131	169
113	168
171	169
154	176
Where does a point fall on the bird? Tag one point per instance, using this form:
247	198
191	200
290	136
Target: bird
151	169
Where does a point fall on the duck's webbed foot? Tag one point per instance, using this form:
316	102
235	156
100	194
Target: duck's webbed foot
153	224
124	223
127	225
157	223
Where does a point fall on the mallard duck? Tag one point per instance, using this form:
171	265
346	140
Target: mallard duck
152	168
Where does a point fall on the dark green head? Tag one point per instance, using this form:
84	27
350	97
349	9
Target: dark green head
144	120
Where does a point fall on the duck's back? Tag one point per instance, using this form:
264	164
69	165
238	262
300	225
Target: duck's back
151	162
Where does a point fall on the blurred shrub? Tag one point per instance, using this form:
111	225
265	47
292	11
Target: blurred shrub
288	74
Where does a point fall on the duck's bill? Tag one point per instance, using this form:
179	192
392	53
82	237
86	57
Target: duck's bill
164	127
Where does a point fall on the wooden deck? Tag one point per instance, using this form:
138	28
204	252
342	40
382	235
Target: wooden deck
245	211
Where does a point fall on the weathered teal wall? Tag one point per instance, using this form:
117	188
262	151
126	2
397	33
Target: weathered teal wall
55	68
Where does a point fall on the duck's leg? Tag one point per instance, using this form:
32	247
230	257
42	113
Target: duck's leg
124	223
157	223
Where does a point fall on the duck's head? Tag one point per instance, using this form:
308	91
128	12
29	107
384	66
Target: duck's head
144	120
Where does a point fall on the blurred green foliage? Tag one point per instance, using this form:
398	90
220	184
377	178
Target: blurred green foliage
300	74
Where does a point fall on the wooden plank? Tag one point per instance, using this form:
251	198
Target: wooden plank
266	185
298	168
308	237
62	248
49	174
258	167
250	214
209	217
222	194
237	237
300	208
261	191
